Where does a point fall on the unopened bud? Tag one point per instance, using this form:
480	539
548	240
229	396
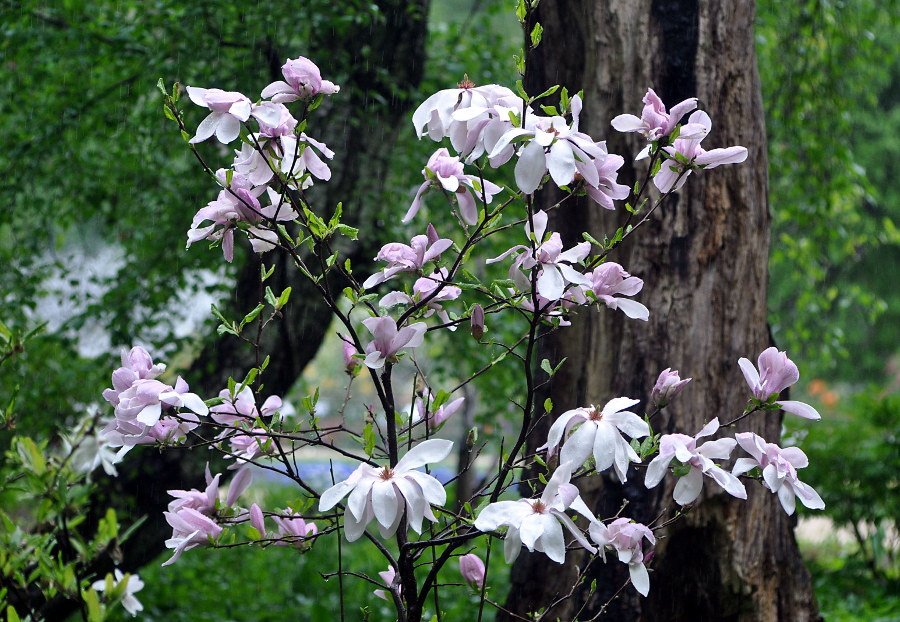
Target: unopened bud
667	386
472	569
432	234
477	322
350	362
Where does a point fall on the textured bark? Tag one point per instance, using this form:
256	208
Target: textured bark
703	260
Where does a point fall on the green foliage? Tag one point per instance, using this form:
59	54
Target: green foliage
823	66
854	464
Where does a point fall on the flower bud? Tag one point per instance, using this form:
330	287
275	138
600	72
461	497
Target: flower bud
432	234
477	322
350	363
257	521
667	386
472	569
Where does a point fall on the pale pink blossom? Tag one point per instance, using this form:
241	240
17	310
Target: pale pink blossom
779	470
257	520
537	523
598	432
388	340
552	145
241	409
446	171
626	537
472	569
190	529
388	494
655	122
668	385
294	531
686	155
388	577
422	289
607	187
302	80
684	448
403	258
136	365
776	373
609	282
228	110
556	269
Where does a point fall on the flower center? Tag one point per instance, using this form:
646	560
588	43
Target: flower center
386	473
538	507
596	414
465	83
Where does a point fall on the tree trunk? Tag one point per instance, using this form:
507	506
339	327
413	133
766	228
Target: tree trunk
703	260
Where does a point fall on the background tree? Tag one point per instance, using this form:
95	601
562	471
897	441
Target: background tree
703	262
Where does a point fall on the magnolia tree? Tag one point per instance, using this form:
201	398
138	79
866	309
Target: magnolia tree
390	500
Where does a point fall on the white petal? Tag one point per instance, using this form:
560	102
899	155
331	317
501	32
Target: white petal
579	445
688	487
640	579
800	409
384	502
426	452
530	168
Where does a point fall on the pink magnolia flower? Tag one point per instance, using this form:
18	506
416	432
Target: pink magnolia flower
477	321
776	373
388	577
388	494
554	146
228	110
472	569
779	469
257	520
190	529
655	122
136	365
447	172
423	288
687	156
608	282
388	340
403	258
598	432
351	363
537	523
481	126
626	538
435	417
668	385
556	272
206	502
248	447
241	409
607	187
303	81
700	460
294	531
299	154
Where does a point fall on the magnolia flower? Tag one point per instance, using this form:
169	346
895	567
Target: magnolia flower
206	502
625	536
554	262
384	493
422	289
228	110
536	522
299	154
435	417
700	460
779	469
133	584
667	386
608	282
241	409
655	122
403	258
600	434
136	365
553	146
472	569
388	340
687	155
483	126
776	373
388	577
607	187
303	81
447	171
190	529
257	520
293	529
477	321
435	116
249	447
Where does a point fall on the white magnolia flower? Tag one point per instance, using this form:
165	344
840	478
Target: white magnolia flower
384	492
700	459
779	469
600	434
536	522
132	605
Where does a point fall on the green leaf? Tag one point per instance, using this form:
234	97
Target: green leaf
548	405
270	296
545	365
283	298
549	91
536	33
587	236
369	439
265	274
252	315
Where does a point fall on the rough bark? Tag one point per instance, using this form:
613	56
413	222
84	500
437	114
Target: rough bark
703	260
